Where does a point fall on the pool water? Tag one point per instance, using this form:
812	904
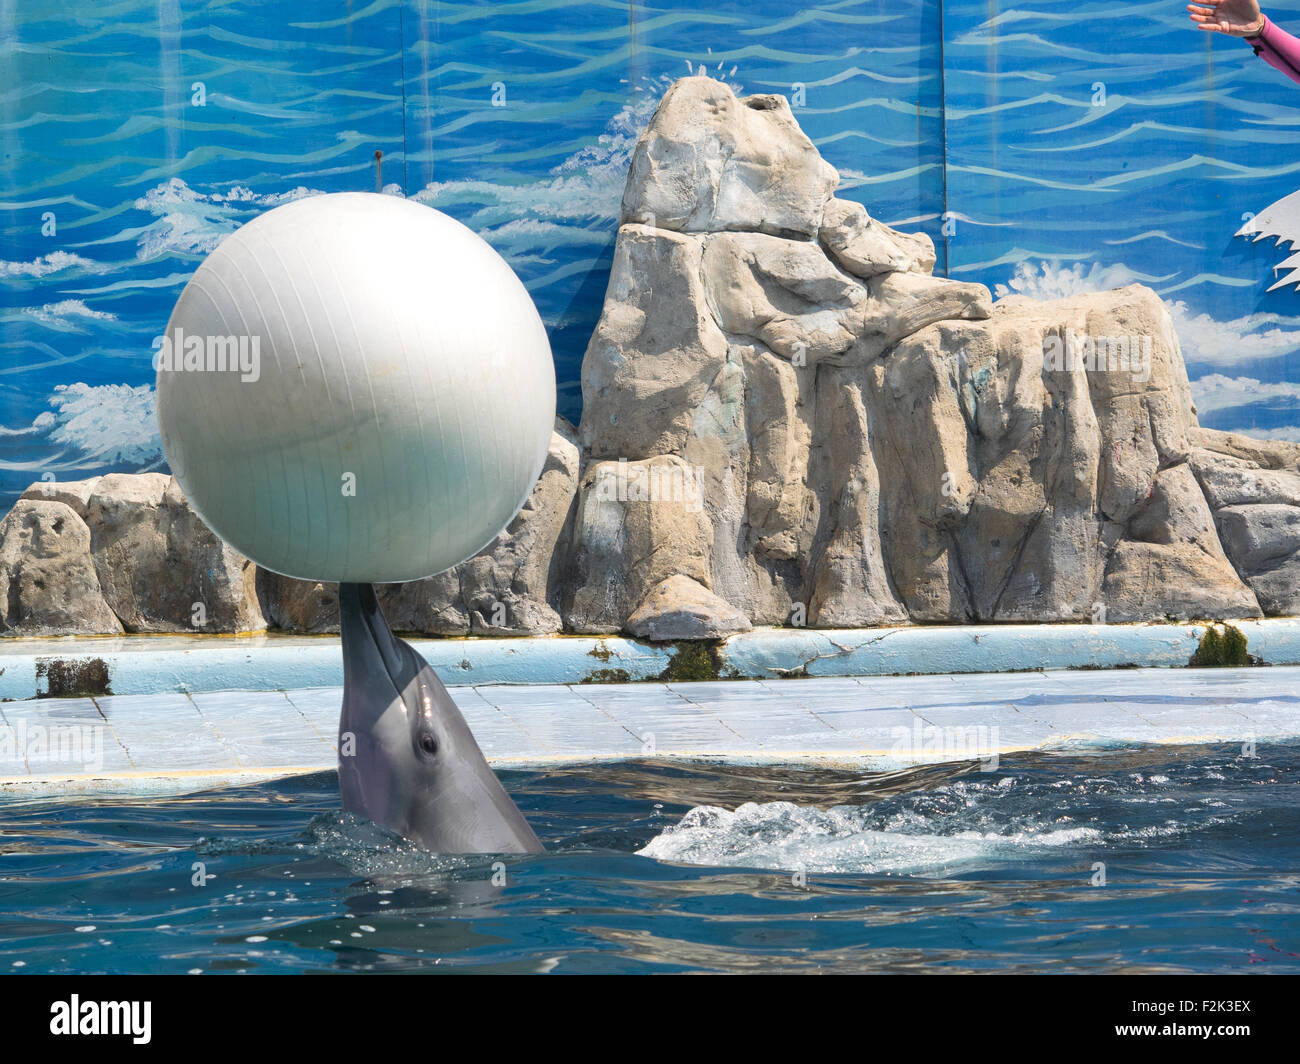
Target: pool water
656	867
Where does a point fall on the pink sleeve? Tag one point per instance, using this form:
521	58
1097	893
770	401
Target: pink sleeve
1277	48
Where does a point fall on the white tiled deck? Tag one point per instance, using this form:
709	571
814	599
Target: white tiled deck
181	742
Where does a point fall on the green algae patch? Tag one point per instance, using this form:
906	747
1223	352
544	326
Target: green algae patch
72	677
695	660
1224	649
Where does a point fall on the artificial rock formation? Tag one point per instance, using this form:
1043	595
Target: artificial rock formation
872	444
48	583
682	608
118	553
787	419
1253	490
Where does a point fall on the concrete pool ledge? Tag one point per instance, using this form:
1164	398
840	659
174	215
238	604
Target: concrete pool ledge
170	743
140	665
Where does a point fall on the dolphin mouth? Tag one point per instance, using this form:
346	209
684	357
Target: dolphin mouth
362	625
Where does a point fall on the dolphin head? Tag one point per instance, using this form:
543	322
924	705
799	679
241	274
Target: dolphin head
407	759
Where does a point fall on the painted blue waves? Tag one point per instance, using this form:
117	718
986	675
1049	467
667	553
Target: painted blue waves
1078	154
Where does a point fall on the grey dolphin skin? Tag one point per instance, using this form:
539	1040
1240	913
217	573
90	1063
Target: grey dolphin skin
407	759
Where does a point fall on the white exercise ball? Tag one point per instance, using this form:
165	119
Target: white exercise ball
400	405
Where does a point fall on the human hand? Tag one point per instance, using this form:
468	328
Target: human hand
1236	18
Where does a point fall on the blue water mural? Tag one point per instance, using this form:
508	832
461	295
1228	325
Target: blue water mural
1046	149
1093	145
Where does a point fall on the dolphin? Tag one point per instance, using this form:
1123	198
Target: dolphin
407	759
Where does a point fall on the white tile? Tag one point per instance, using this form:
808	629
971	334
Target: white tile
65	736
264	729
510	696
321	707
667	722
165	732
768	725
497	733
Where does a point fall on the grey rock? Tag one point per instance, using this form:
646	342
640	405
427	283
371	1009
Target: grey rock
1231	481
1254	488
655	349
710	162
73	493
159	567
682	608
866	247
306	607
1260	535
791	297
1267	454
875	444
1171	563
849	585
48	584
637	524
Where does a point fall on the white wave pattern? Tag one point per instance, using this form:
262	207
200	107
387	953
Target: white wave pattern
1222	344
781	835
44	265
1290	433
1053	280
574	205
109	424
65	314
189	222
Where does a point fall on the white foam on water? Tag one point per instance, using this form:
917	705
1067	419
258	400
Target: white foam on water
785	836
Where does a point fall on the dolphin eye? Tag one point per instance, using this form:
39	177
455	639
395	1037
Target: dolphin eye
428	743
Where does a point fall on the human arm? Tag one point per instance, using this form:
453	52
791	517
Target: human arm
1243	18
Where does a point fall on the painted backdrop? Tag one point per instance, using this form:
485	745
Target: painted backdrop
1047	149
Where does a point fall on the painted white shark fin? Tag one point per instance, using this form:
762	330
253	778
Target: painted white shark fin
1282	221
1292	265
